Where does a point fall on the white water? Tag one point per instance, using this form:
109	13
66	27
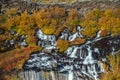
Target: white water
70	77
32	75
79	64
75	35
44	40
88	59
67	35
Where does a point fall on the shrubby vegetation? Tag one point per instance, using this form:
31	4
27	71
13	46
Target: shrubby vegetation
115	63
52	21
15	59
53	1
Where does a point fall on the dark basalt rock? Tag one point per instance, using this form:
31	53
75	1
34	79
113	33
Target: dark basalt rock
9	44
79	58
2	31
83	59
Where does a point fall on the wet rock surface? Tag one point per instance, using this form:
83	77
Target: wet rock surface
78	60
45	41
2	31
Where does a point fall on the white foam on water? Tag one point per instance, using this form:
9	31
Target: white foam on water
89	59
70	75
85	66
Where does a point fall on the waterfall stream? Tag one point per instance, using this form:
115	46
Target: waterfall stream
42	75
78	62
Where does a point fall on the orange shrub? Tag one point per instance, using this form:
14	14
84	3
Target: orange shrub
78	41
62	45
104	32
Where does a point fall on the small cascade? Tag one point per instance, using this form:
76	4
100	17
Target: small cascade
33	75
65	34
98	34
89	58
78	62
75	35
70	76
44	40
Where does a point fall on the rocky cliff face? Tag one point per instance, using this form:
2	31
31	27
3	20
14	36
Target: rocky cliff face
78	61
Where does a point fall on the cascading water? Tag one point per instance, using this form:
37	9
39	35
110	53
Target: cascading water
46	41
78	62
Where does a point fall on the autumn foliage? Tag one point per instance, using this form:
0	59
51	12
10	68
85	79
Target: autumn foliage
78	41
62	45
53	20
114	73
15	59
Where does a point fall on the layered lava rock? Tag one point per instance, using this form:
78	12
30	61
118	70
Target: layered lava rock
78	61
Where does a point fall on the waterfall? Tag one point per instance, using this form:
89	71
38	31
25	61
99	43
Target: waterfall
88	59
78	62
70	77
45	40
